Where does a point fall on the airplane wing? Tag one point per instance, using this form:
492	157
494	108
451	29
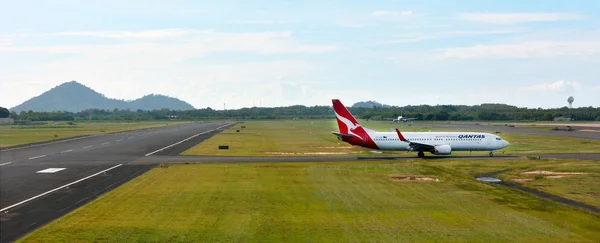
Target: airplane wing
414	145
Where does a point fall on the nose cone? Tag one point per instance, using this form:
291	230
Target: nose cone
505	144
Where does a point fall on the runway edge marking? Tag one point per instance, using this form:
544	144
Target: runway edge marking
148	154
37	157
82	137
58	188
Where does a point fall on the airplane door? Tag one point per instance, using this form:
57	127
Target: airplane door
489	142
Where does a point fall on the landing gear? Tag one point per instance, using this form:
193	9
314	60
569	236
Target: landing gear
491	154
421	154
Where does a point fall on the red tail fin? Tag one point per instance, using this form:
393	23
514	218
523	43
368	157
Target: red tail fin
345	120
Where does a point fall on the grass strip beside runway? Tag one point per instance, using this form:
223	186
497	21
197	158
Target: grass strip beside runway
24	134
314	138
577	180
318	202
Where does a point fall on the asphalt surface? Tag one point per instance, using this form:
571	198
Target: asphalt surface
79	170
21	220
507	129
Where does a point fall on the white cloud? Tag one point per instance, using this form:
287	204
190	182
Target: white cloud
258	22
387	13
175	67
533	49
560	86
183	42
410	38
515	18
5	42
119	34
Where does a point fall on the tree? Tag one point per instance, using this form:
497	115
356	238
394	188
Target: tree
14	115
4	113
598	118
442	116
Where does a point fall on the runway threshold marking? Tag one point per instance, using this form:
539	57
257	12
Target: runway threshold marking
7	163
37	157
50	170
148	154
58	188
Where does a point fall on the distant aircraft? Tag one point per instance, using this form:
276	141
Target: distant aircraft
403	119
438	143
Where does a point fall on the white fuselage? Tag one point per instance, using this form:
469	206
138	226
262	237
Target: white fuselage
459	141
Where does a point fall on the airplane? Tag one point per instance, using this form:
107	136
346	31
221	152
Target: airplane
403	119
437	143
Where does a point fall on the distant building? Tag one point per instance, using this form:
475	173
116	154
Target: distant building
172	116
7	121
563	118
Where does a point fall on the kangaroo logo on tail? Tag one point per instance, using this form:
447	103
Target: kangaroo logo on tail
346	122
349	126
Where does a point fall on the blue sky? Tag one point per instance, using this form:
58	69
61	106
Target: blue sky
279	53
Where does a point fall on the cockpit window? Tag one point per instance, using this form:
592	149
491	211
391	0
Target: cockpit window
498	139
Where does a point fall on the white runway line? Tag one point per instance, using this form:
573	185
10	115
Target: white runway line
105	143
130	138
184	140
66	151
37	157
50	170
7	163
87	147
120	140
43	144
58	188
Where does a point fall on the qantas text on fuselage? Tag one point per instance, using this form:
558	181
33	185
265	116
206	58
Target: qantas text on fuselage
439	143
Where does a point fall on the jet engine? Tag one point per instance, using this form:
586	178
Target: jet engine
442	150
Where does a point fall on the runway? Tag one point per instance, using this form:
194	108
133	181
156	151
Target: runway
43	182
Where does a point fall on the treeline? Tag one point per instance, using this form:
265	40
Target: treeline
487	112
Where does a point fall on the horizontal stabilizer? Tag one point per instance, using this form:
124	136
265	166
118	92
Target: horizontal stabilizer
340	135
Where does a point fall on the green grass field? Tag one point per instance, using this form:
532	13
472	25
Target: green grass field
313	137
320	202
264	138
16	135
580	187
583	185
285	138
535	144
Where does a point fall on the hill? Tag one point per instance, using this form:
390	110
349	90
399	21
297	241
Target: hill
74	97
368	104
